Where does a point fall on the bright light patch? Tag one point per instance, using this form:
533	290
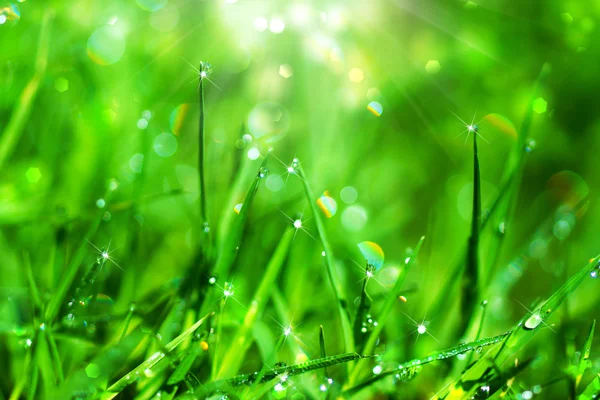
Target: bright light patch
261	24
421	329
276	25
356	75
253	153
286	71
372	253
297	224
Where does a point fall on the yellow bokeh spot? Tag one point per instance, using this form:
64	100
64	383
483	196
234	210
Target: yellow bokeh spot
356	75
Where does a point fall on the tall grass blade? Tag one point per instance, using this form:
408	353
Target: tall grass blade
384	314
20	115
338	289
242	339
470	280
152	361
228	251
438	356
520	335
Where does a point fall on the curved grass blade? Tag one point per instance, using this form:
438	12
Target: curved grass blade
292	370
242	340
520	335
342	303
152	361
385	313
592	391
438	356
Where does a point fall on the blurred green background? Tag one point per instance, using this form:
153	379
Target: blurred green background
108	93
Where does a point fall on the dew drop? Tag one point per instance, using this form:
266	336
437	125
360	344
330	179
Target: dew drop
533	321
205	227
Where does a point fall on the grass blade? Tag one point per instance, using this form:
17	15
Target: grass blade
201	155
577	371
151	362
342	303
592	391
520	335
10	138
385	313
242	339
470	280
228	250
438	356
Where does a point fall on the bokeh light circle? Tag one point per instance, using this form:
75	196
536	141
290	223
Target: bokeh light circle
106	45
268	122
165	145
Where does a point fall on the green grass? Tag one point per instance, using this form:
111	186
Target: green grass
168	232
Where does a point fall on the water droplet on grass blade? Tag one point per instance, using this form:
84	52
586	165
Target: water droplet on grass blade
533	321
237	208
327	204
530	145
372	253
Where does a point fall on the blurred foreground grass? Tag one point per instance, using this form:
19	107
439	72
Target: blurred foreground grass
327	124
